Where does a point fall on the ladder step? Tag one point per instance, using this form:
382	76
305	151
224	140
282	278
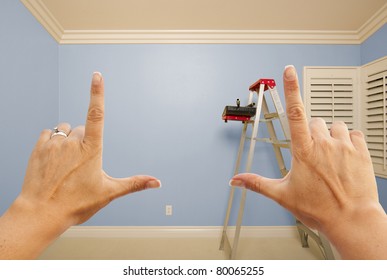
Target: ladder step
271	116
284	172
282	144
267	118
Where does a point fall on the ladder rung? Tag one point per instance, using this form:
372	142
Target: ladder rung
267	118
284	172
270	116
281	144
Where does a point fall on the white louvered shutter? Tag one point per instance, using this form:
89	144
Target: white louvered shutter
331	93
374	112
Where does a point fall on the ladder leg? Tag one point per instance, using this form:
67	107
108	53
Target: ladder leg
240	150
224	241
322	242
280	111
326	247
273	136
238	224
255	131
248	168
303	231
303	234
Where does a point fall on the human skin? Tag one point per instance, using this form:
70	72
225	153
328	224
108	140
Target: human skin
64	184
331	185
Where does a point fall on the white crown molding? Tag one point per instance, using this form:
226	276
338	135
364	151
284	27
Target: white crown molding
62	36
44	16
207	37
178	232
373	24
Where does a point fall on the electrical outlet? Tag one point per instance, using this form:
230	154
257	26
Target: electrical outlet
168	210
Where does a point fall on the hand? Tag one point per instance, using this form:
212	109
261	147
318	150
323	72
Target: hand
64	183
65	175
331	183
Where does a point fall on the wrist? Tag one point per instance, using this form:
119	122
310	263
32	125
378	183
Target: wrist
41	215
356	232
29	229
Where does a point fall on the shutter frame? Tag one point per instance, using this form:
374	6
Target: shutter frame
369	103
331	93
374	112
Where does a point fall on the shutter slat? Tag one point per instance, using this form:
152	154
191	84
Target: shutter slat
331	95
375	118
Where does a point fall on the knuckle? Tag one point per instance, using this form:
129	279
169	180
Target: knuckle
45	132
357	133
339	123
325	144
296	112
96	90
70	145
303	154
256	186
317	121
292	86
95	114
137	186
52	149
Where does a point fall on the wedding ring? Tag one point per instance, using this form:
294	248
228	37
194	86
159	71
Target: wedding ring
58	132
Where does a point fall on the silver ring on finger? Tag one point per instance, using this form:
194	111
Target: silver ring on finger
57	132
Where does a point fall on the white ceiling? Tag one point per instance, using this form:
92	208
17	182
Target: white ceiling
92	21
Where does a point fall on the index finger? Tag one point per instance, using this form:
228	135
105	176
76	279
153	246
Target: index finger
298	124
95	114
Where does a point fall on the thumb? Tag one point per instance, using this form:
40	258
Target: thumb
268	187
123	186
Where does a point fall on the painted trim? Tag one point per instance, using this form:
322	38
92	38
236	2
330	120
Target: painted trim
178	232
43	15
207	37
373	24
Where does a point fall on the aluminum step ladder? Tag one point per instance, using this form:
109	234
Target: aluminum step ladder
259	88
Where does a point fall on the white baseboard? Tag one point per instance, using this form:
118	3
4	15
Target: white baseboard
178	232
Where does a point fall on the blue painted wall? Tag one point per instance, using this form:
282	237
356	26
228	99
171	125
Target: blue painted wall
163	117
28	92
375	46
163	114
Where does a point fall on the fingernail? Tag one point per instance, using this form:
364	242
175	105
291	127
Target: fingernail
153	184
290	73
97	77
236	183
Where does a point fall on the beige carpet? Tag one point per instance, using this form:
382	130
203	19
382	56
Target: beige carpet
70	248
